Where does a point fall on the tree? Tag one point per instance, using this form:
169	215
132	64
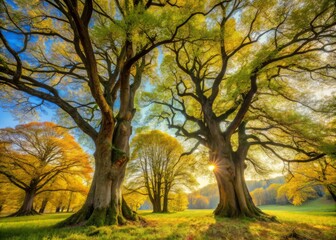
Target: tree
198	201
10	196
303	178
258	196
272	192
67	191
35	154
262	196
101	49
159	167
134	199
179	201
218	75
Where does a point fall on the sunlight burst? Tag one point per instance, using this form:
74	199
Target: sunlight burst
211	167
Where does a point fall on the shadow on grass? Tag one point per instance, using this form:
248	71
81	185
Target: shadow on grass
207	229
225	228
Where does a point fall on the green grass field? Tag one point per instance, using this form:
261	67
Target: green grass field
317	212
315	220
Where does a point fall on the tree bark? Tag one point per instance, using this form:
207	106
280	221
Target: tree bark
165	200
332	193
104	204
58	209
69	202
43	205
234	197
27	205
157	203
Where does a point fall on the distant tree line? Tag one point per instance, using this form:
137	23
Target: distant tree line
263	192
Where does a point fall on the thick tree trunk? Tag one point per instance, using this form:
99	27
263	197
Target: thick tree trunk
234	197
155	199
27	205
157	204
104	204
43	205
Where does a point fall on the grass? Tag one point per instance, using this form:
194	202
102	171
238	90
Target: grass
316	212
316	220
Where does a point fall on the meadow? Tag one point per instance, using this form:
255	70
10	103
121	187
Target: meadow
314	220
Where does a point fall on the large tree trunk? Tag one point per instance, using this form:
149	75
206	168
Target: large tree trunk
27	205
234	197
104	204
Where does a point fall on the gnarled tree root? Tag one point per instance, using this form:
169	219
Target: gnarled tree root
253	213
101	217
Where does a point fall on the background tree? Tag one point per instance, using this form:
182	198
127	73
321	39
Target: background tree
216	80
100	49
197	201
178	202
158	167
258	196
271	193
66	189
135	199
266	196
304	178
10	196
33	155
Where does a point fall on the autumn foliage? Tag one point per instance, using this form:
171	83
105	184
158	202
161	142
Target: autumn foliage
42	157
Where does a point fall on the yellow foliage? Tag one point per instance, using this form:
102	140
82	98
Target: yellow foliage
43	157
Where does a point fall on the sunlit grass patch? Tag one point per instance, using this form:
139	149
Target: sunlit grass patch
317	212
187	225
29	227
313	218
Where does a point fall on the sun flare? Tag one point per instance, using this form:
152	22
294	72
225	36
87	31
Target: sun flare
211	167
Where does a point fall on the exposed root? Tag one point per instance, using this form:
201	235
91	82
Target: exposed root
101	217
77	219
266	218
255	213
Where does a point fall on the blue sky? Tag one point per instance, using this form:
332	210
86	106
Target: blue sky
7	120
